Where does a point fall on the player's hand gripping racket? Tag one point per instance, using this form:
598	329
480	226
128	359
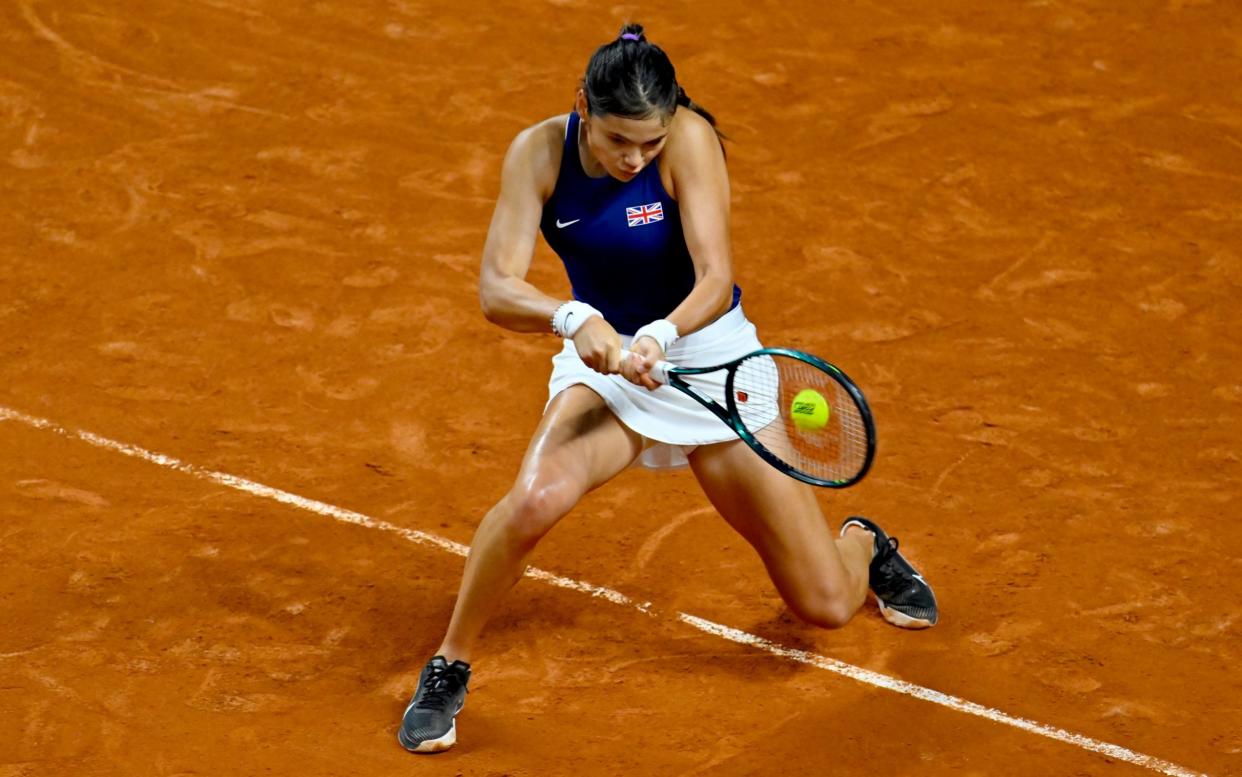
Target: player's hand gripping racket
801	414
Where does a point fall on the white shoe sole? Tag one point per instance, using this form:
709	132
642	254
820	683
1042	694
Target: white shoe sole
433	745
900	619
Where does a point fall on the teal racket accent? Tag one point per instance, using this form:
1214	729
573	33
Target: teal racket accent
833	449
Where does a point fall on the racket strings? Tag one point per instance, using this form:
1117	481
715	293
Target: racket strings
833	448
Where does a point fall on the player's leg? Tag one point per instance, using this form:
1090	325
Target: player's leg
823	579
579	445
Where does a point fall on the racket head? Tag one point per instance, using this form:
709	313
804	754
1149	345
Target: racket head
760	391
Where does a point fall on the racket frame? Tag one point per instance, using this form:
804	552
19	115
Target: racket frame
670	374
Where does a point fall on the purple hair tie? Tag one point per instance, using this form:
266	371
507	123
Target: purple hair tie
629	36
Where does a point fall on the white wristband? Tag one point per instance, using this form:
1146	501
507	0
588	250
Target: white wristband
570	317
663	331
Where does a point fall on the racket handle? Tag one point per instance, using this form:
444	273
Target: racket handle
659	373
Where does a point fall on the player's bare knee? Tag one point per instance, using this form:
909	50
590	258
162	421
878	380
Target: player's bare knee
535	507
827	611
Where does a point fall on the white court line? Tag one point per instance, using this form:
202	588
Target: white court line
724	632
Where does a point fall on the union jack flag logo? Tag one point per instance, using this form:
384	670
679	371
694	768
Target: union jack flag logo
645	214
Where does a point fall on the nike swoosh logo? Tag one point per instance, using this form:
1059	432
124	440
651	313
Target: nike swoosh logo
559	225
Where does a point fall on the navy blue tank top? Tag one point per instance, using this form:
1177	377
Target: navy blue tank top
621	241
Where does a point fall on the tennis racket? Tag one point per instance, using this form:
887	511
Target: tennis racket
801	414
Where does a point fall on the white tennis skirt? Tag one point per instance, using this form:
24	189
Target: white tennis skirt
672	423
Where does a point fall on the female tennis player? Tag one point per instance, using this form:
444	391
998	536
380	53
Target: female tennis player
631	191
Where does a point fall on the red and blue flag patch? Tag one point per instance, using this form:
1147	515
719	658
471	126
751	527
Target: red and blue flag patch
639	215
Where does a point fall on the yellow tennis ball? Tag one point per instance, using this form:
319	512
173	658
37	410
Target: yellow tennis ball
809	410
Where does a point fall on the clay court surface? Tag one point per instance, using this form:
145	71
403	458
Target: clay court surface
246	235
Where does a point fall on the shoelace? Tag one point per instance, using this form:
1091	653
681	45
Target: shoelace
438	689
892	577
886	551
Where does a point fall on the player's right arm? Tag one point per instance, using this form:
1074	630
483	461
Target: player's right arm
507	298
526	182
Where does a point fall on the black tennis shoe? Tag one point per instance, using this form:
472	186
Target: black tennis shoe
429	724
905	598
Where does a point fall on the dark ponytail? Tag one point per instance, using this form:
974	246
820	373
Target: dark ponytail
634	79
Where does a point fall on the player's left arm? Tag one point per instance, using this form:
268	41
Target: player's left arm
700	182
701	187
